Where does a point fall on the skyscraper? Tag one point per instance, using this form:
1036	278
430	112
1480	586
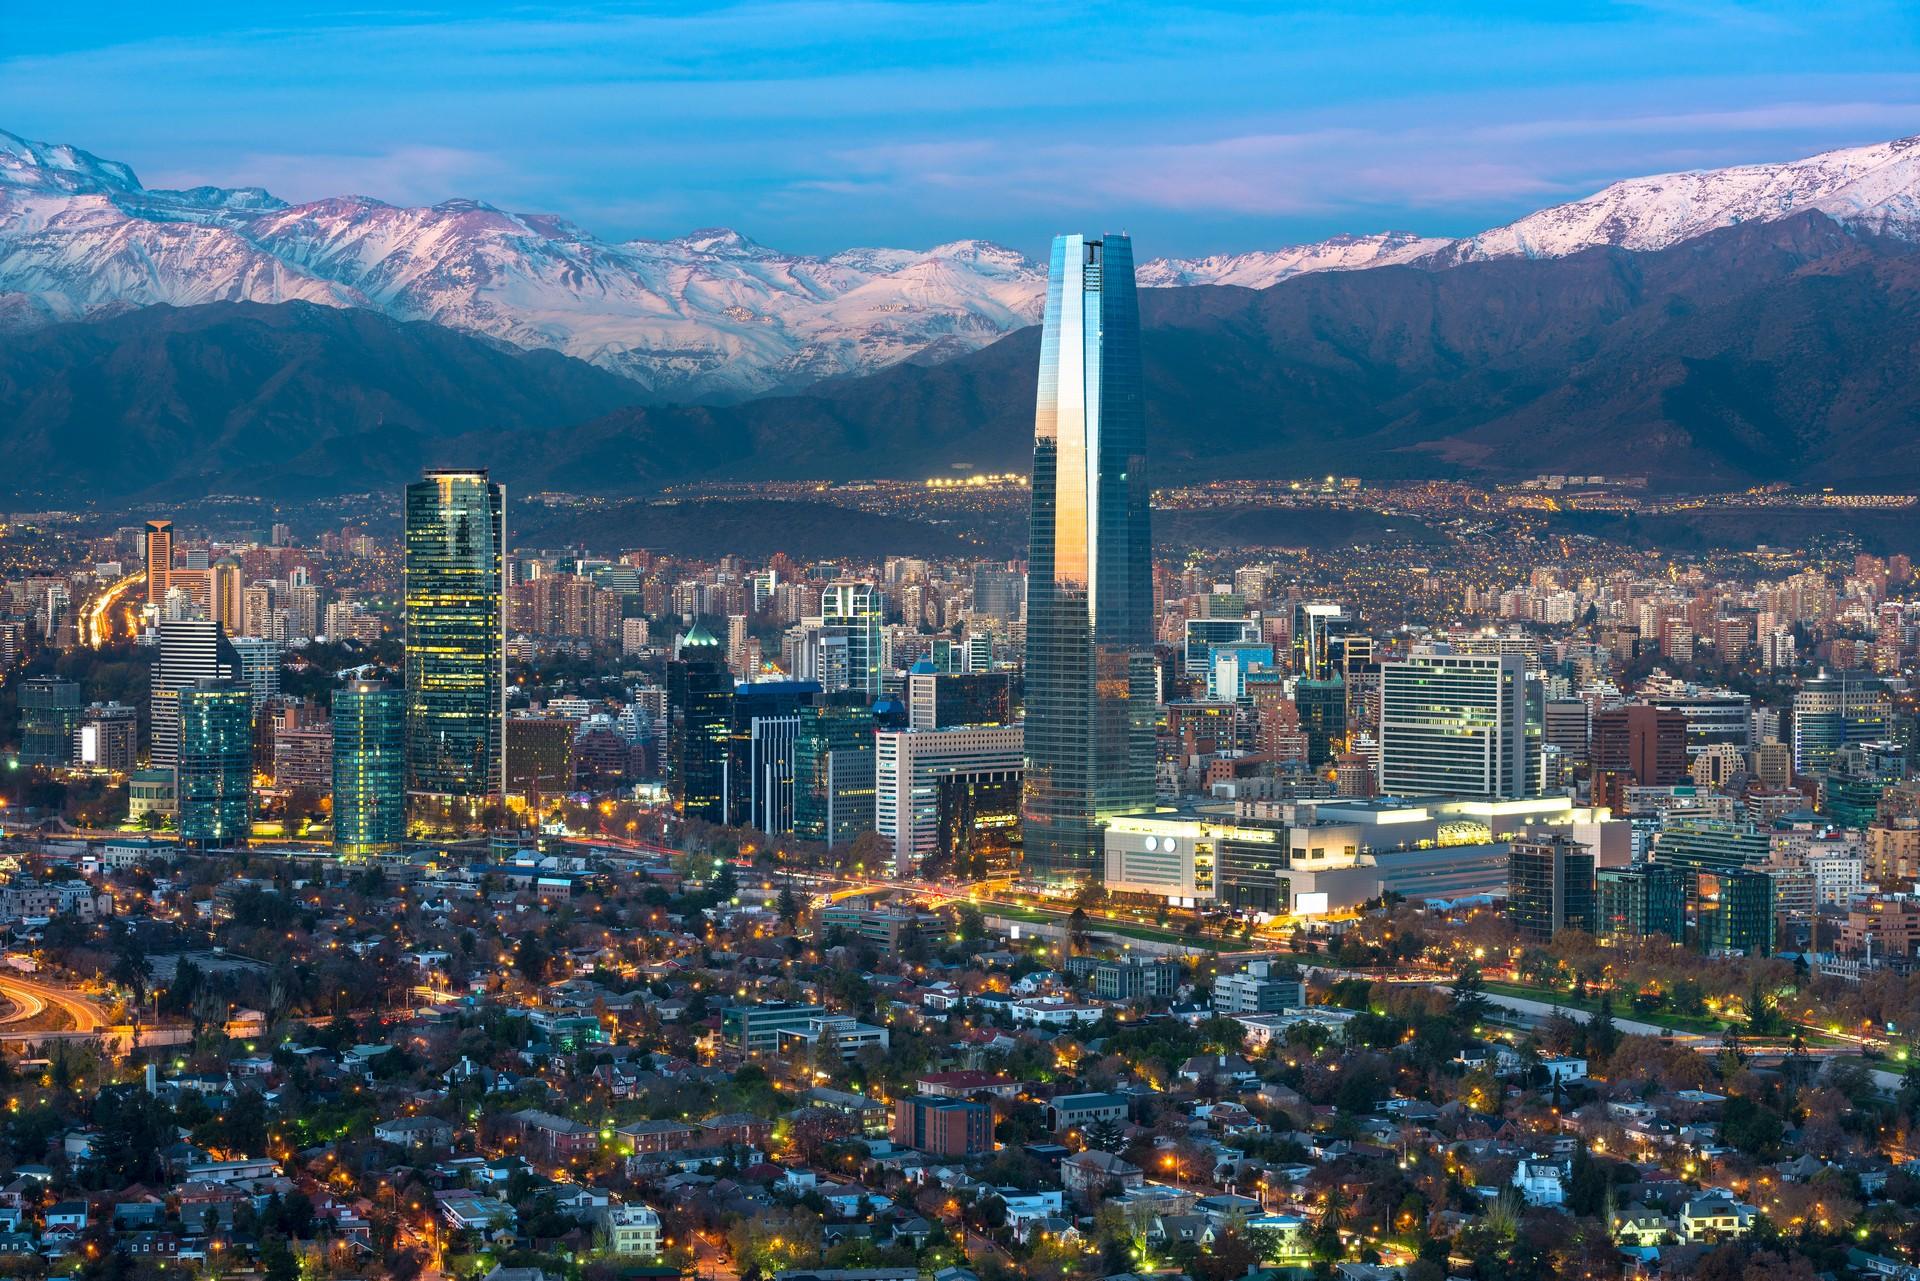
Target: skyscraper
456	670
369	768
1454	725
858	608
1089	676
699	716
191	650
159	560
215	768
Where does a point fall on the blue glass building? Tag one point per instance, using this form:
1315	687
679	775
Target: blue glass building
215	765
1089	674
369	769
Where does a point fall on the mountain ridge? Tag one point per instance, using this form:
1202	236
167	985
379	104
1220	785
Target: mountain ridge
714	315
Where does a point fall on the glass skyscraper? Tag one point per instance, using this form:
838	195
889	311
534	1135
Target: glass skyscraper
369	768
456	668
1089	674
215	768
699	712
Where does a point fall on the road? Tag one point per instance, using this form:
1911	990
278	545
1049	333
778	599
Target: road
96	620
87	1014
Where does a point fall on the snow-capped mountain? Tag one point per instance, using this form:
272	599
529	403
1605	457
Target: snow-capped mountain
708	314
1270	267
713	314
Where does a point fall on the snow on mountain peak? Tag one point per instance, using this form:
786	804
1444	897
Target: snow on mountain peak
716	314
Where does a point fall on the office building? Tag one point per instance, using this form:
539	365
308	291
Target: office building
1454	725
913	766
1322	707
1711	845
1567	724
998	592
978	823
699	715
1204	635
49	716
456	670
1713	718
1645	744
159	551
1641	900
540	757
857	611
1733	912
369	769
191	650
1258	989
215	763
1090	680
1319	641
1550	886
833	770
937	700
763	733
1831	711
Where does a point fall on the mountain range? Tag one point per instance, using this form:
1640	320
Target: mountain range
714	315
1726	327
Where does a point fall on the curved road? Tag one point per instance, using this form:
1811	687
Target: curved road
86	1014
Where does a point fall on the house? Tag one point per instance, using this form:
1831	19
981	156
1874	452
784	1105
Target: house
467	1211
1638	1226
1220	1068
966	1085
742	1129
1564	1070
556	1137
415	1133
1715	1217
1541	1182
1088	1175
67	1216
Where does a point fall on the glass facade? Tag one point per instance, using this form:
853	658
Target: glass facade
833	774
456	672
215	766
1641	900
369	769
1090	684
699	712
49	716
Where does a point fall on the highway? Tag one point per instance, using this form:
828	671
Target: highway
30	998
96	620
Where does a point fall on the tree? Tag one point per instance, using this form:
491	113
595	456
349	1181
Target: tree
1470	1004
789	905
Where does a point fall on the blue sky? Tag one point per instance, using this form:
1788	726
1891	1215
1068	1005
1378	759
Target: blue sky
814	126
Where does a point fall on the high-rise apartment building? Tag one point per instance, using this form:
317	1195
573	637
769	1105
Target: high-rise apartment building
215	766
456	668
1454	725
369	769
1090	680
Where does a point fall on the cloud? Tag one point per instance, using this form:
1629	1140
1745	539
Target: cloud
405	175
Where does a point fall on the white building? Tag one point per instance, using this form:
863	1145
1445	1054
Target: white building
633	1230
911	766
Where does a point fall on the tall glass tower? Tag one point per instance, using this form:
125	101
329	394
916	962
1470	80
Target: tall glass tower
456	667
369	769
215	768
1089	672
